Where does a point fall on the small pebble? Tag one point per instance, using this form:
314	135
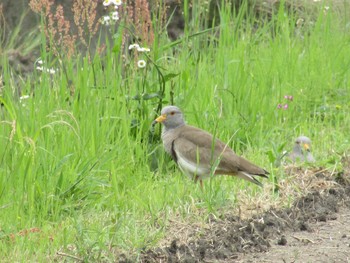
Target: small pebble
282	241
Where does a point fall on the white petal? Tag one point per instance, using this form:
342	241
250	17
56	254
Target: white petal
132	46
143	49
107	2
115	16
24	97
51	71
106	20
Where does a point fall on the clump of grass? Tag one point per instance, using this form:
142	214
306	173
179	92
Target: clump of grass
79	162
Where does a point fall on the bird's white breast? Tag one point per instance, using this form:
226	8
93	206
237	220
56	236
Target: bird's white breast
192	169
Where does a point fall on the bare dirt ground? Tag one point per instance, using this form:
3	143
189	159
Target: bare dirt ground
316	228
325	242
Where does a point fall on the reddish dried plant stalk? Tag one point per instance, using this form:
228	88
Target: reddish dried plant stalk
56	27
64	38
85	19
41	6
162	7
2	25
139	15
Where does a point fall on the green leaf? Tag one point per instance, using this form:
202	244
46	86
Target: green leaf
148	96
170	76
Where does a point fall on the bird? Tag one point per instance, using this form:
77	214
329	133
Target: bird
198	154
302	150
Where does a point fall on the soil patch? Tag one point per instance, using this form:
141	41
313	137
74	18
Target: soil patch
314	229
327	241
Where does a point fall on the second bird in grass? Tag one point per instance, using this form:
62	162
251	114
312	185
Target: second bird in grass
302	150
198	153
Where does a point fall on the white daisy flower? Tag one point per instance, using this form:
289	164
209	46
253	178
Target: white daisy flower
117	2
51	71
24	97
141	63
132	46
44	69
110	2
106	20
143	49
115	16
107	2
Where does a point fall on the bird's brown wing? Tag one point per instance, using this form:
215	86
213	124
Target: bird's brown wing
235	163
200	147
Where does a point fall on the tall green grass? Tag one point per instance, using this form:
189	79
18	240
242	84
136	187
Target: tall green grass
86	169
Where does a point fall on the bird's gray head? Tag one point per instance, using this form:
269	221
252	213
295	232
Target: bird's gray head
302	150
171	117
302	144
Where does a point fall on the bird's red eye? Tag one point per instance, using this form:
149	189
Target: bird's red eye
172	113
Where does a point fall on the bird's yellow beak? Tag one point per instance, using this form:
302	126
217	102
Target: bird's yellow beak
161	118
306	146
